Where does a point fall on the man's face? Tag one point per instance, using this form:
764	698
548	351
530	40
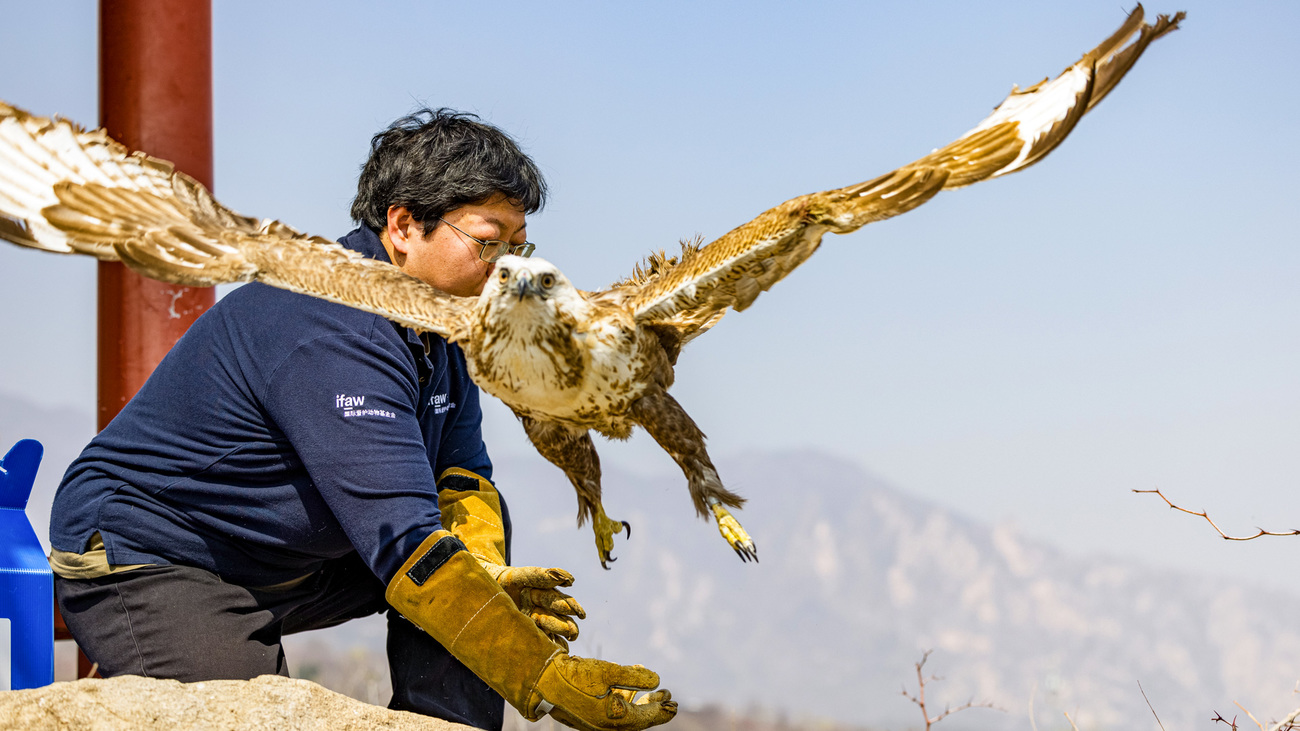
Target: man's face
446	258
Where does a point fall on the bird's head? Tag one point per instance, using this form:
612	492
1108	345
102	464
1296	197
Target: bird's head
527	283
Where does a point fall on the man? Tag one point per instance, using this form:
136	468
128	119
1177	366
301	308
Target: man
293	463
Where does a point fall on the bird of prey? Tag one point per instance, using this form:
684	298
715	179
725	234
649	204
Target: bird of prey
566	361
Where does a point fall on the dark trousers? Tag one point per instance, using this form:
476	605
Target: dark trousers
187	624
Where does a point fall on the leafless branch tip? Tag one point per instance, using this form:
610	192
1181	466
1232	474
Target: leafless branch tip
1148	700
1260	531
919	698
1218	718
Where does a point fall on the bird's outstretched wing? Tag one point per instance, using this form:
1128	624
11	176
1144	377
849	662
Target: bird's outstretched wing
688	294
66	190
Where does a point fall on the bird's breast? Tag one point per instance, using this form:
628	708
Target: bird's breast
583	373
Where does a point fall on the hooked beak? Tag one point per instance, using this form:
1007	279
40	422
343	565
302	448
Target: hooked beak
524	285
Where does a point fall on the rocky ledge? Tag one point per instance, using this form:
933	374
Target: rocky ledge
131	702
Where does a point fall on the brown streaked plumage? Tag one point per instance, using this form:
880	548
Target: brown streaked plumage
566	361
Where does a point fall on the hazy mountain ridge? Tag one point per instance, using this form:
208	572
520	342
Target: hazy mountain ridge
856	580
64	432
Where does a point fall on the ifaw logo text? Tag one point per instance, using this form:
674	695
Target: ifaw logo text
355	406
440	403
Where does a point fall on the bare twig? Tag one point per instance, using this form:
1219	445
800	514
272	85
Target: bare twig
1287	723
1071	720
1249	715
1153	710
1033	723
1225	536
1218	718
919	698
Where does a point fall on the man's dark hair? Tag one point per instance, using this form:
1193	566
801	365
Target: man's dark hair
433	161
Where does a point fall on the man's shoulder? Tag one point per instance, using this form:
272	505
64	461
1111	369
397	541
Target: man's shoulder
263	306
269	323
260	323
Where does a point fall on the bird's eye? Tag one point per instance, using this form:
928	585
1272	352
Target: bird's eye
548	280
503	275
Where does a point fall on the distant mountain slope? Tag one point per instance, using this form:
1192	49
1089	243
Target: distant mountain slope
63	432
857	579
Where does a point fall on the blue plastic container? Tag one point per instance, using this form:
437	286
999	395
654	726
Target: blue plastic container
26	583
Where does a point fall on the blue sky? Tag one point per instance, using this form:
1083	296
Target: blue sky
1123	315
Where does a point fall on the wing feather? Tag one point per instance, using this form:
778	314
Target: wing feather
692	292
66	190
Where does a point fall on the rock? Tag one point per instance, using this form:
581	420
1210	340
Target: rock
131	702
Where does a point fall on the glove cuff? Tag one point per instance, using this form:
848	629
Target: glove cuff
445	592
456	478
471	509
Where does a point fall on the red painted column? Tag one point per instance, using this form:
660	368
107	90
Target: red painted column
155	95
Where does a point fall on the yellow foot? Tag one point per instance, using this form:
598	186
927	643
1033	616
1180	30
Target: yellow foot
730	529
605	530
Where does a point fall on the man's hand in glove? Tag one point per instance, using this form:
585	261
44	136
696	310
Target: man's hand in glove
594	695
533	590
447	593
471	510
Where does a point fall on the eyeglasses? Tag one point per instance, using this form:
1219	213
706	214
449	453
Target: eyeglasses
494	249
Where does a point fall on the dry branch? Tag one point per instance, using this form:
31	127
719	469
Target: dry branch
1225	536
919	698
1286	724
1218	718
1249	715
1153	708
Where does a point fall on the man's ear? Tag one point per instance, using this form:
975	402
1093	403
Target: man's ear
401	225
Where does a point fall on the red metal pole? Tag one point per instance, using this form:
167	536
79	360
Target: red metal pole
155	95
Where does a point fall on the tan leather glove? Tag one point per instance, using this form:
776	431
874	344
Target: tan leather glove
471	510
447	593
589	682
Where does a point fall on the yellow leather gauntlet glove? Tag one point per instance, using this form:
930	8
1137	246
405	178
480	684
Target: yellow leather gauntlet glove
447	593
471	510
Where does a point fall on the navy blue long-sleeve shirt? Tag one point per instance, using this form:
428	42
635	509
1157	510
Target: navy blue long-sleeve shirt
282	430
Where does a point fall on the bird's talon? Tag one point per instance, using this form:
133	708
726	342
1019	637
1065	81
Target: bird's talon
734	534
605	530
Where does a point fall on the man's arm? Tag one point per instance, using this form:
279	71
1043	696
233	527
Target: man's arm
349	407
444	590
471	510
